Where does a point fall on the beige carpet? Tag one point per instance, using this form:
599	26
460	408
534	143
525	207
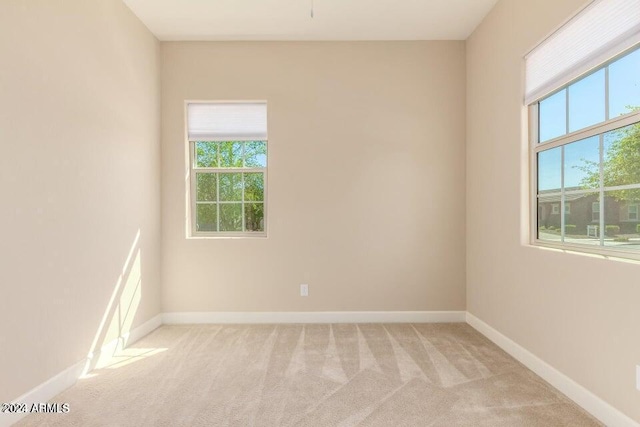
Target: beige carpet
314	375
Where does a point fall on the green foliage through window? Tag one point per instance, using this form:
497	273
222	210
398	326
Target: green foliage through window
621	164
227	198
231	154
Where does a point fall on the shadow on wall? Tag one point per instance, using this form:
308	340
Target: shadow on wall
114	329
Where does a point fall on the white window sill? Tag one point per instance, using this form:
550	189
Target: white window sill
595	251
234	236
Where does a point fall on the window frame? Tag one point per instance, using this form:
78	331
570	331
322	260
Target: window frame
536	147
191	181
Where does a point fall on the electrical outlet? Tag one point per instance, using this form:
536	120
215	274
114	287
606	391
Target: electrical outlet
304	290
638	377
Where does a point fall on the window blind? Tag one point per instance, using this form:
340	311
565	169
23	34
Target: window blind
597	33
227	121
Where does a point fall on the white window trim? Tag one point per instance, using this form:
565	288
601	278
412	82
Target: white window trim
535	147
191	232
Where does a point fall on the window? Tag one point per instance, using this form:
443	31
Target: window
595	212
228	168
584	114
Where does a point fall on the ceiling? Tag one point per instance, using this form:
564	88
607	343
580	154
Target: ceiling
291	19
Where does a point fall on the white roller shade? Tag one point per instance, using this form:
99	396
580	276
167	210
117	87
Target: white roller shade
600	31
230	121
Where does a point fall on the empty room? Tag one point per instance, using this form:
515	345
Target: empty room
320	213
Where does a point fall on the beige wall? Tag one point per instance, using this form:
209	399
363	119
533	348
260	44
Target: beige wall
366	177
79	177
576	312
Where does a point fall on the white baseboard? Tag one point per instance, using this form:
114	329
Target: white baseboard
107	351
597	407
65	379
314	317
143	330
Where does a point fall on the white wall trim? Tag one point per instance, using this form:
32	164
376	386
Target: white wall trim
65	379
143	330
579	394
314	317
